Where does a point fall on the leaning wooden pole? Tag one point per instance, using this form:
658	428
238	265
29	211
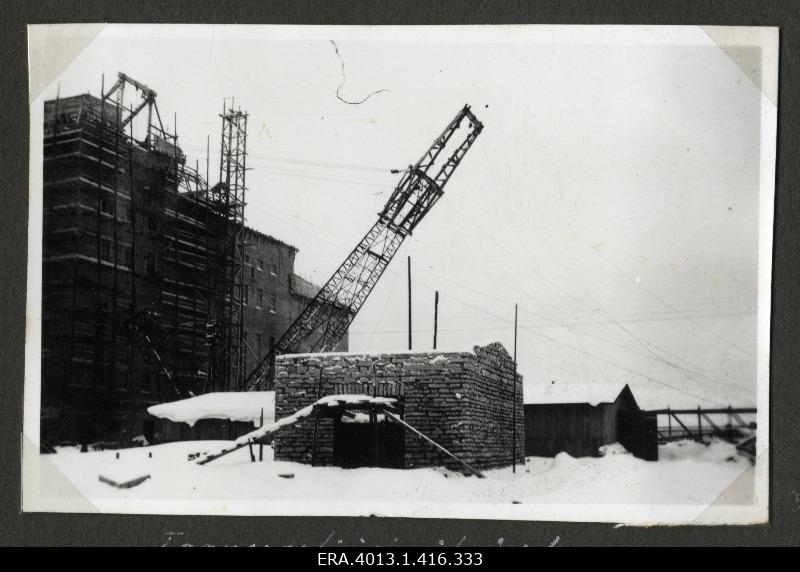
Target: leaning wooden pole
222	453
424	437
261	445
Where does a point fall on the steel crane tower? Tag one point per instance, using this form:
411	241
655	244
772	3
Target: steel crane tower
324	322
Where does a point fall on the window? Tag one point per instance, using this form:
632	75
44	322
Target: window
246	297
105	249
126	254
260	264
123	211
260	298
273	269
81	376
258	345
252	272
151	379
273	302
145	383
107	206
150	266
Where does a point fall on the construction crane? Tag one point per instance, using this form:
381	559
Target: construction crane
324	322
148	99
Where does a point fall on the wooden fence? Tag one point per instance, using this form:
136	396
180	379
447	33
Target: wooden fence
701	424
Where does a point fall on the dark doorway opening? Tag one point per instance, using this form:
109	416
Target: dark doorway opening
638	434
148	430
354	445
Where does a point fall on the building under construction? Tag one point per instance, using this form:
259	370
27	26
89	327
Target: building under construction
153	287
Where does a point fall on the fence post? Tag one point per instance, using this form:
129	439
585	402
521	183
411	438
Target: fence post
730	424
699	425
669	418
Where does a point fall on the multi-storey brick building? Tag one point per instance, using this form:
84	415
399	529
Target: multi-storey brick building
133	240
273	294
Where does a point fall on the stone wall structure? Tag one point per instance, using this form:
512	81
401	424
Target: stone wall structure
465	401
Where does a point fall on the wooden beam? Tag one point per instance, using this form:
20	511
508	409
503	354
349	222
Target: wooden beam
726	410
739	420
685	428
707	418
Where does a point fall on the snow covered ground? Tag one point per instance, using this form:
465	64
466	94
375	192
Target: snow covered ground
616	487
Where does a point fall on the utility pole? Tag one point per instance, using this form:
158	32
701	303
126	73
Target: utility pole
514	402
435	317
409	302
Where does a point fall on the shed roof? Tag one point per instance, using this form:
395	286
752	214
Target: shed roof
234	405
557	393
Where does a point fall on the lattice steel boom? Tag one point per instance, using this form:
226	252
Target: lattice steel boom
325	320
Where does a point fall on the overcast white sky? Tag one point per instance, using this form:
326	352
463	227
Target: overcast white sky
613	193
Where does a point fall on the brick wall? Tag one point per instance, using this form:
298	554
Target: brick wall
269	264
461	400
491	409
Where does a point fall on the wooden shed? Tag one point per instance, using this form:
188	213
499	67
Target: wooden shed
580	418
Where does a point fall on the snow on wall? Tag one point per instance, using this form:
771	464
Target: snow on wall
235	406
421	352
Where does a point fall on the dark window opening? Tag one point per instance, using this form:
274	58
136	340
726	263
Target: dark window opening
107	206
105	249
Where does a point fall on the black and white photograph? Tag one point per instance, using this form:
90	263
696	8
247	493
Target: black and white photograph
472	272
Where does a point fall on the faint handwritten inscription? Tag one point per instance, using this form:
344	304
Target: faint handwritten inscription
174	538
